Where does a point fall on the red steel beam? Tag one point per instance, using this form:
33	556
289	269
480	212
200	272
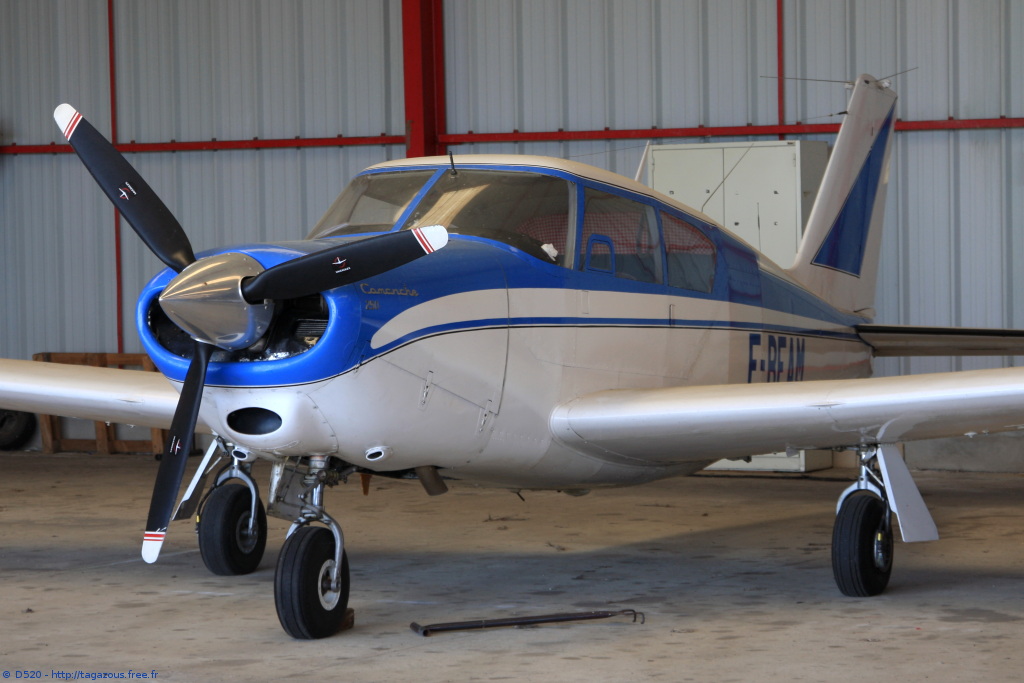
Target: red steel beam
635	134
717	131
780	75
423	56
118	267
961	124
215	145
519	136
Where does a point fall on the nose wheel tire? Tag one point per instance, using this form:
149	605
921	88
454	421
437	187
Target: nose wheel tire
306	604
862	547
226	543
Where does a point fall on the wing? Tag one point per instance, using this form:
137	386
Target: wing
103	394
682	424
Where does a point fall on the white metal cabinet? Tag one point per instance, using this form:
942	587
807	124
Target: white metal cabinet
761	191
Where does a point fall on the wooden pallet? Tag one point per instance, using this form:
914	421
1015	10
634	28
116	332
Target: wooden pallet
106	441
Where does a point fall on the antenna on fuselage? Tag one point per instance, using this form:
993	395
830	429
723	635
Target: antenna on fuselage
643	162
451	158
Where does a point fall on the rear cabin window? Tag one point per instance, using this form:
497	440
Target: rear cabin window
528	211
620	237
691	255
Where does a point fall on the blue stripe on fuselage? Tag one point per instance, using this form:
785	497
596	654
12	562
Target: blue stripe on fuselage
591	322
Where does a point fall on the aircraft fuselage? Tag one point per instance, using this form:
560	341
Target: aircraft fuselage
457	360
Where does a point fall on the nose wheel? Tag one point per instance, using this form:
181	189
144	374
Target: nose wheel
311	584
310	604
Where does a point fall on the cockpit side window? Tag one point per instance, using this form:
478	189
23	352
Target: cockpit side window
528	211
691	255
371	203
620	237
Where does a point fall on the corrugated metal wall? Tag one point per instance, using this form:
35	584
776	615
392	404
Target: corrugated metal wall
187	70
239	69
954	253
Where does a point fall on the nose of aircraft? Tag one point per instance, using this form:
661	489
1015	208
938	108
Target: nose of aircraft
285	422
201	301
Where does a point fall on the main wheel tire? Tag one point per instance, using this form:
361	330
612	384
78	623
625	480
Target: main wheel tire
862	547
306	605
225	542
16	428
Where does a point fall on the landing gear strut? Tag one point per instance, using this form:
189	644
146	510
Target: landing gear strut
862	538
311	584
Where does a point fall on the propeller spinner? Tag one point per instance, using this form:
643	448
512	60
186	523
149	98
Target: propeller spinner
223	301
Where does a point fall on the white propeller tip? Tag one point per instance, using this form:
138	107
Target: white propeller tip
432	237
67	117
151	544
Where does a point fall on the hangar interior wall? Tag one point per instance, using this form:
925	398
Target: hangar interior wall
194	70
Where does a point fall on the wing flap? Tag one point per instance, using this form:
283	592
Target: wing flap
908	340
92	393
681	424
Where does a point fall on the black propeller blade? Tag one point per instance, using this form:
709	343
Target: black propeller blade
343	264
160	230
132	196
175	455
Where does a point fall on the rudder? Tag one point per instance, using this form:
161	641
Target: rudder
839	252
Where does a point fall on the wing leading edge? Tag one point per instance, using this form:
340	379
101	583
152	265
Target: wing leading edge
680	424
103	394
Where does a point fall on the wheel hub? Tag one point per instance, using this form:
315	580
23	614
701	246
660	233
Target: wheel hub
328	598
883	549
245	536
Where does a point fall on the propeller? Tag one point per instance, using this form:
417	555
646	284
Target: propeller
225	300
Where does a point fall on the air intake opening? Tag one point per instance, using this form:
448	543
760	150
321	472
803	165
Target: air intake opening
254	421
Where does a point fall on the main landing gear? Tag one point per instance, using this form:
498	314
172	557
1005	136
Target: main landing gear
232	530
230	520
862	539
311	582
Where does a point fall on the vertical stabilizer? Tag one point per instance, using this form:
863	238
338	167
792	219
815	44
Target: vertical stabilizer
838	256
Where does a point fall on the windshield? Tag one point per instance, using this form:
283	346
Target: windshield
371	203
526	210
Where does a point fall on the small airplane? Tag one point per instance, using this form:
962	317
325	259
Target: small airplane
518	322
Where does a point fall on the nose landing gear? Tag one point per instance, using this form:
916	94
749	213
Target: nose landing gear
310	602
311	584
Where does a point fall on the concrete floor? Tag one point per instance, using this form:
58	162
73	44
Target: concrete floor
731	572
